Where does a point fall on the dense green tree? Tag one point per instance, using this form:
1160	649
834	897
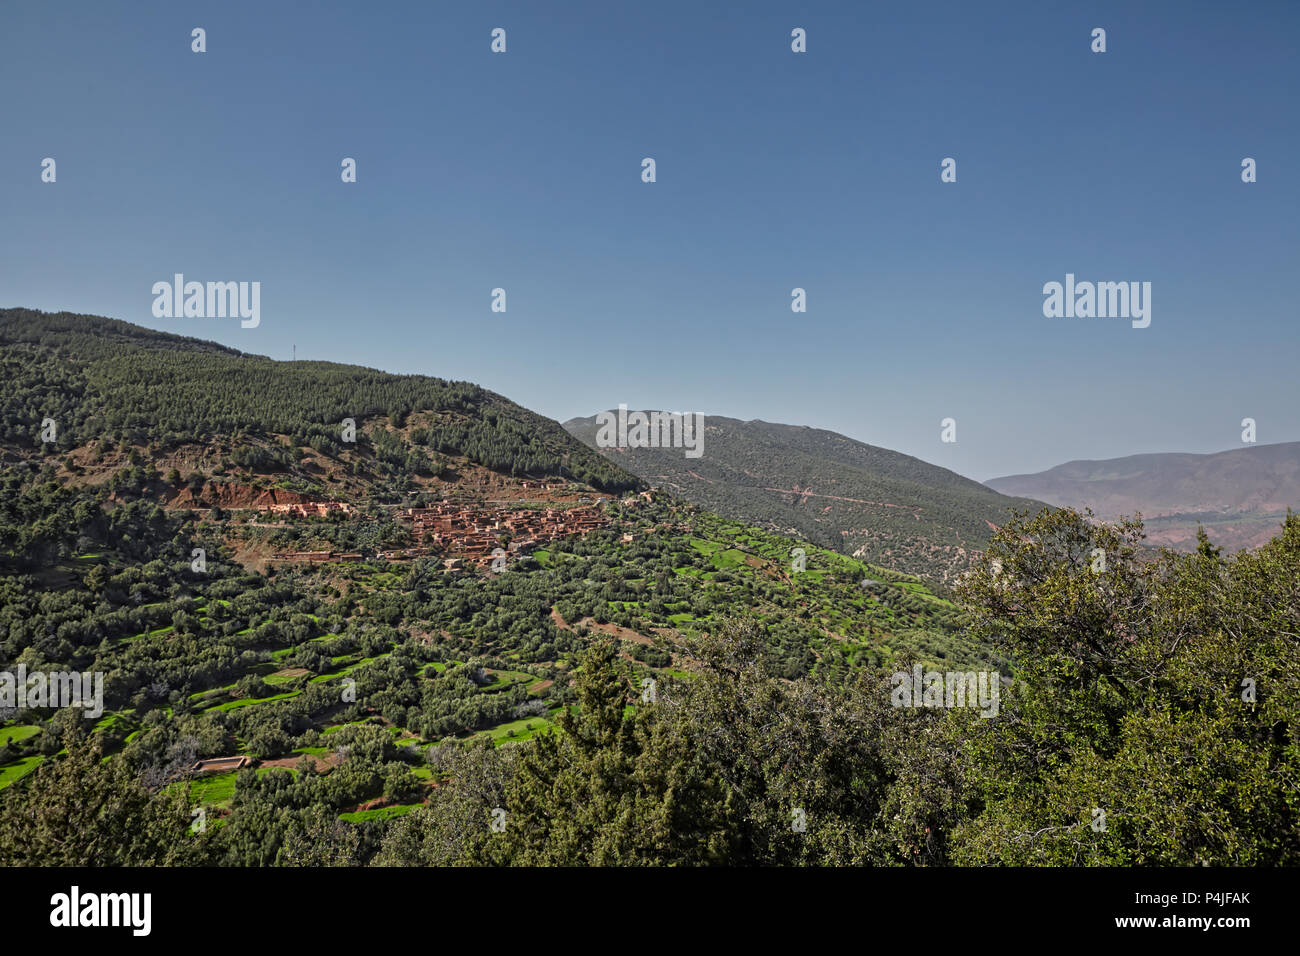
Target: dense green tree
84	811
1162	694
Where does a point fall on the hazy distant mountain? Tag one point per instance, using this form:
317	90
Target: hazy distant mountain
856	498
1240	496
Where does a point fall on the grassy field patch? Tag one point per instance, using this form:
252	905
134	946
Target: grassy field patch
13	772
383	813
250	701
217	790
14	733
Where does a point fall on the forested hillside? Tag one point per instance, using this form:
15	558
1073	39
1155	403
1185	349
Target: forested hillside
354	689
101	379
856	498
404	717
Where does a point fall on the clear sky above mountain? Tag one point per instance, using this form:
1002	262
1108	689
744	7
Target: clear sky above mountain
775	170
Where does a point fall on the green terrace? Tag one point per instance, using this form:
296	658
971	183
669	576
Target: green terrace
650	592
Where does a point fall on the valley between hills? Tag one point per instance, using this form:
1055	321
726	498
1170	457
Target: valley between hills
348	617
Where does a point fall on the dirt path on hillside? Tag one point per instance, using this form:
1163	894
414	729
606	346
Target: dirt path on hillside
860	501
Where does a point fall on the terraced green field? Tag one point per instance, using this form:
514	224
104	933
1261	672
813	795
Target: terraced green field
18	769
15	733
517	730
215	790
383	813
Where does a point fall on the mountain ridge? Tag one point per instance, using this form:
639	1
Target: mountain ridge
108	382
1239	494
860	499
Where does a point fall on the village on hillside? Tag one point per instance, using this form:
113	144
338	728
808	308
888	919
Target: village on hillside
462	533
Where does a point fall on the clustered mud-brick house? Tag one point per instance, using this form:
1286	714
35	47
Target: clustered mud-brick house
464	533
474	533
547	484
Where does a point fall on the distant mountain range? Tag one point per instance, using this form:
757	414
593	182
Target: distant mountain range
1239	496
859	499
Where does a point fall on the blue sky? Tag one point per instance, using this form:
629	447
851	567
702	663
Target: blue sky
775	170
